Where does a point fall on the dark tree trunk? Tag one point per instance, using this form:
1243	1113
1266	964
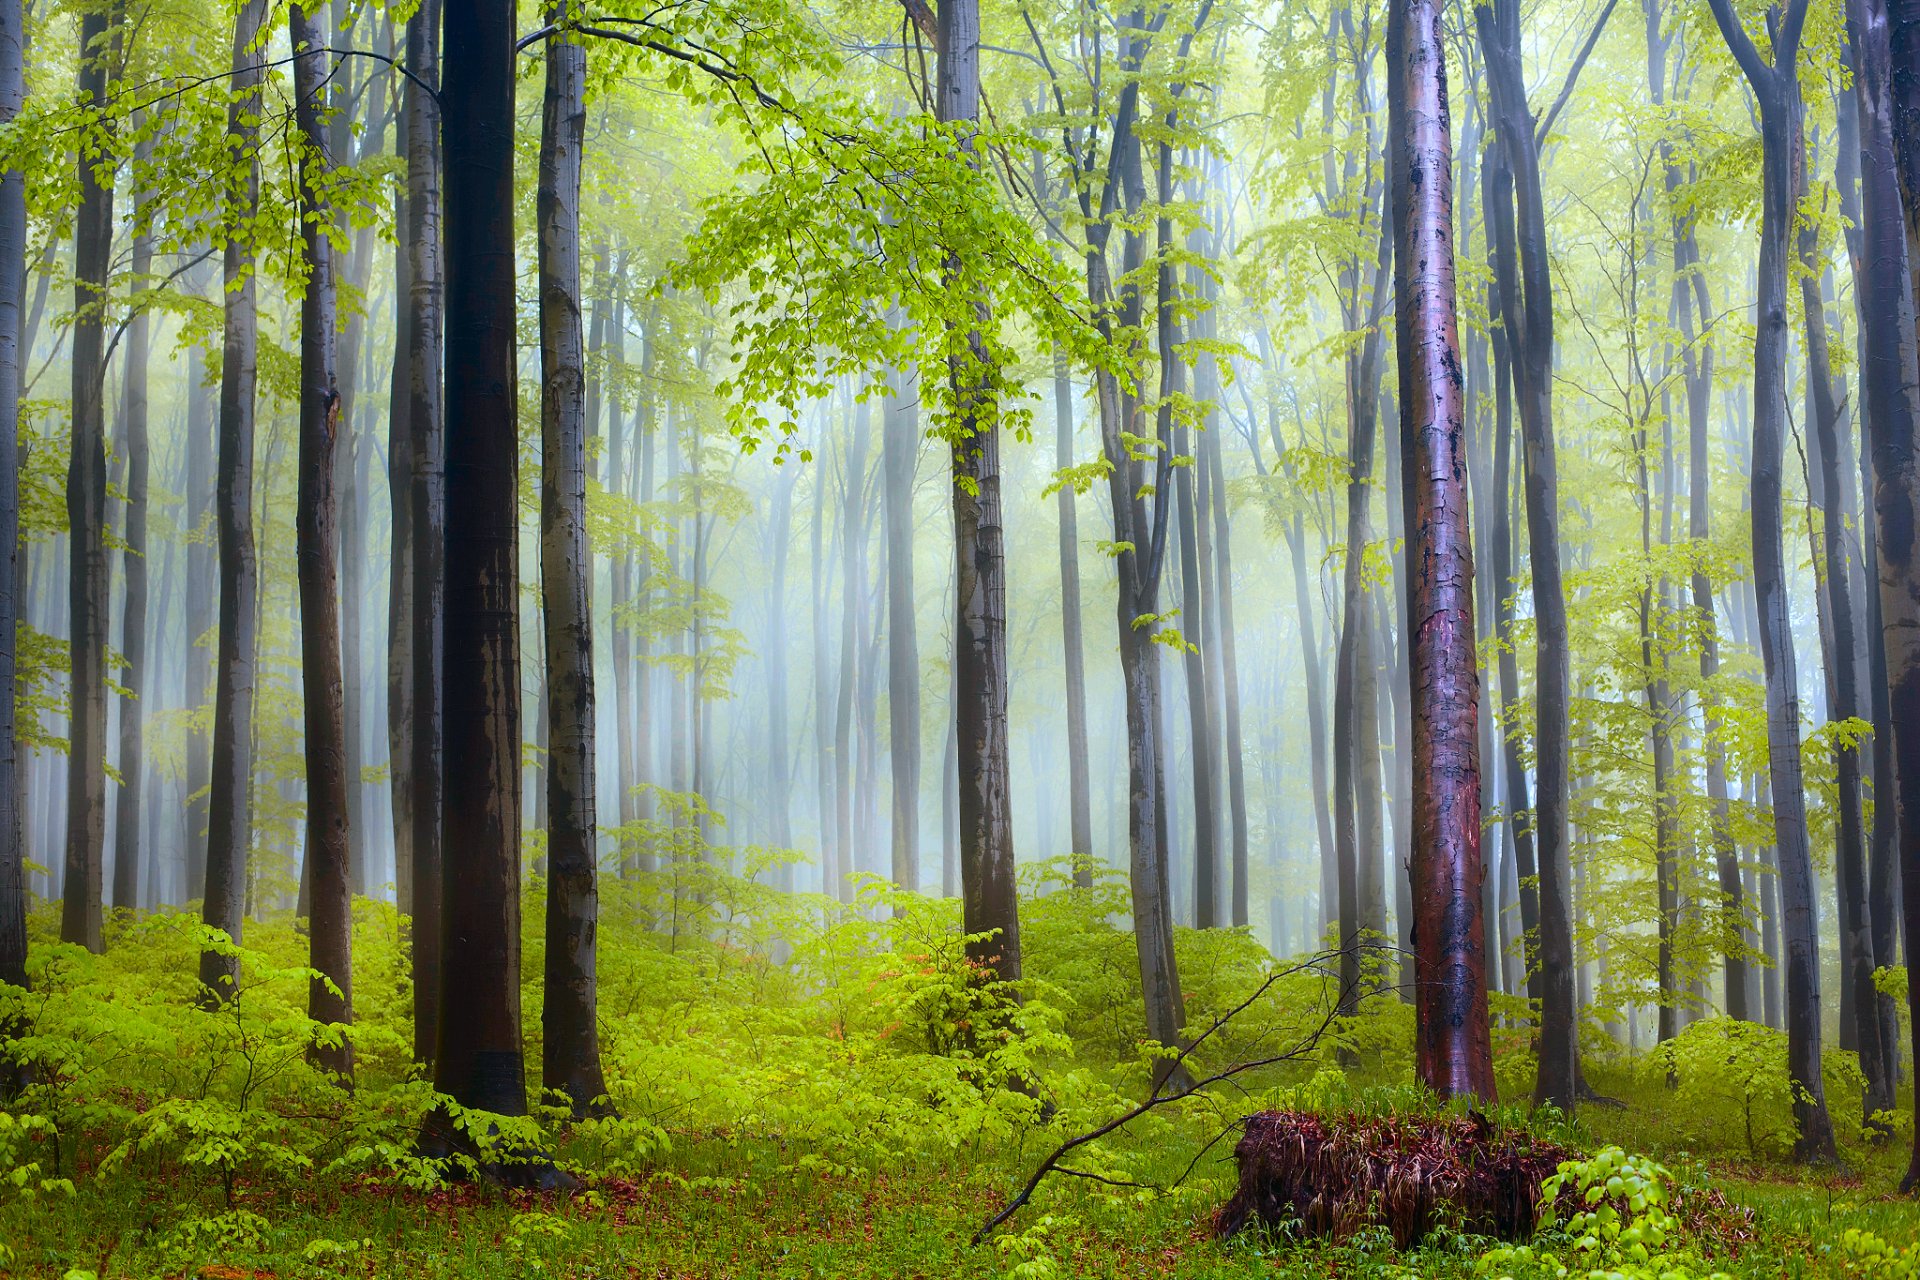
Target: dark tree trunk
1527	307
230	799
329	867
1497	180
87	493
136	679
478	1060
1893	420
1079	781
400	630
1453	1051
570	1043
1776	86
13	273
426	522
900	450
1850	870
989	902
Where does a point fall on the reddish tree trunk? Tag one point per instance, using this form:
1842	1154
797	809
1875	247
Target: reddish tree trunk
1453	1051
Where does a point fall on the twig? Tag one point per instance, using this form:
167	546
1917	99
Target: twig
1158	1096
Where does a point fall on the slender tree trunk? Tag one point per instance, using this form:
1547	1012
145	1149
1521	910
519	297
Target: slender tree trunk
1453	1051
478	1061
1850	872
1316	716
426	521
570	1042
13	272
230	800
1527	307
1206	789
401	691
1079	781
1229	660
852	594
990	905
779	759
1497	179
201	427
1777	89
900	448
329	856
87	492
137	679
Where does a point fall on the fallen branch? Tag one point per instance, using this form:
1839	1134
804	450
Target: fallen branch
1325	964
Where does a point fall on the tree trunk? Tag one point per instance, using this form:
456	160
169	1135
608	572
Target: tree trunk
1316	718
900	448
570	1041
779	758
87	492
13	270
478	1061
137	680
1079	781
1453	1052
1893	417
201	427
426	519
329	866
1777	89
1228	665
1850	870
1527	307
852	595
401	541
230	799
990	905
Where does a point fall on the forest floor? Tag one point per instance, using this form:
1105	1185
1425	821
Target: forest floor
721	1208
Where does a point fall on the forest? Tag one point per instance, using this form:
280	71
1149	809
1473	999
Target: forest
982	638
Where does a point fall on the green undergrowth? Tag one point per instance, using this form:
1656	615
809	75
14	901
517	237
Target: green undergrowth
805	1088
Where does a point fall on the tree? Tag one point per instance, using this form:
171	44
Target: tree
13	273
230	798
87	489
899	459
1453	1051
133	626
329	853
1776	87
478	1058
1886	39
1527	313
423	330
570	1044
989	901
1079	786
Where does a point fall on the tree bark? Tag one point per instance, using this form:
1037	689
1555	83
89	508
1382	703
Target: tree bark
133	559
1776	87
1228	665
13	273
1079	780
1527	306
1453	1051
230	798
1893	419
87	491
426	507
570	1042
329	865
900	450
989	901
1850	870
478	1061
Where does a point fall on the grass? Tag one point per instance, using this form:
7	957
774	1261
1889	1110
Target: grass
722	1208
